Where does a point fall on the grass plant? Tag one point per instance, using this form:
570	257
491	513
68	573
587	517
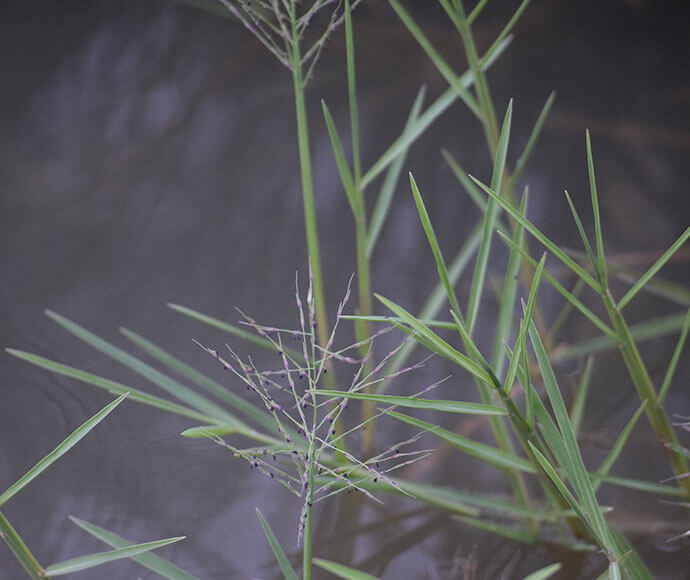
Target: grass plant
293	413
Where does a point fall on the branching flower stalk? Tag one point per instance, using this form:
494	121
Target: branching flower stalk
303	460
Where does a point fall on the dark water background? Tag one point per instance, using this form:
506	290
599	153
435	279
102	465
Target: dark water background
147	155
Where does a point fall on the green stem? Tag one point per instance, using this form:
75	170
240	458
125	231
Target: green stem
307	183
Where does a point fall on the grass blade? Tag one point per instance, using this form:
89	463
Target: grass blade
511	533
617	448
477	288
435	248
283	561
341	162
486	453
343	571
416	403
569	296
191	374
533	137
544	573
438	107
536	233
578	408
639	332
668	377
20	550
506	308
92	560
148	560
70	441
383	201
443	67
436	343
581	230
159	379
224	326
601	258
630	294
110	386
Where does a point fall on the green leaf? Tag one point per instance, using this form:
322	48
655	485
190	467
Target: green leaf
237	428
191	374
617	448
668	377
438	107
86	562
649	274
486	453
343	571
533	137
544	573
283	561
443	67
532	229
569	296
70	441
581	230
436	343
110	386
159	379
510	281
383	201
229	328
516	535
578	408
477	287
435	248
20	550
415	403
341	162
639	332
601	258
574	466
148	560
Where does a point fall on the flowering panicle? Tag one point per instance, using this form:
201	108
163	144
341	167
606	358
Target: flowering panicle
301	455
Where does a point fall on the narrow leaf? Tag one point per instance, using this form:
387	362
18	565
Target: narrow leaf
533	137
477	287
86	562
159	379
416	403
532	229
544	573
341	162
343	571
601	258
668	377
630	294
436	343
110	386
67	444
283	561
383	201
148	560
486	453
435	248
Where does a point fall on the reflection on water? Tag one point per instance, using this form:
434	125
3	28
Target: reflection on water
148	156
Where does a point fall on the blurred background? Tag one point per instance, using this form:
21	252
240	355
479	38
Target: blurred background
148	155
